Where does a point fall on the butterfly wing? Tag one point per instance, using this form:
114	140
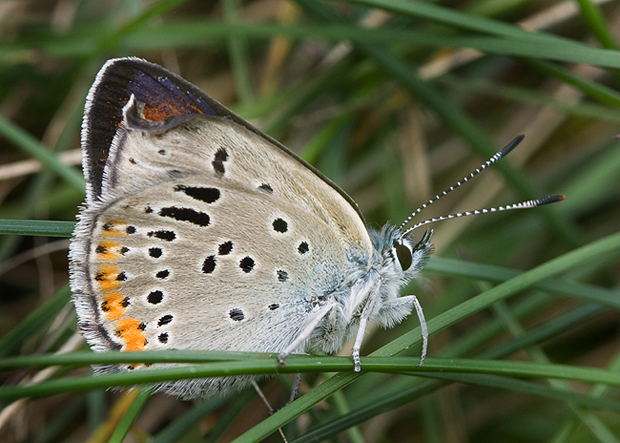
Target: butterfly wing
201	232
164	95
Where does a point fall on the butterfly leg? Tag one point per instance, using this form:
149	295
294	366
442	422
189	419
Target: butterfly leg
368	309
423	327
271	411
303	336
294	388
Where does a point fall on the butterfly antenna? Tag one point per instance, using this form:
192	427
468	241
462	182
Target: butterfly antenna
497	157
522	205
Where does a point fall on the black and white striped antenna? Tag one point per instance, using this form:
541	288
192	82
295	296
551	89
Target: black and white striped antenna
497	157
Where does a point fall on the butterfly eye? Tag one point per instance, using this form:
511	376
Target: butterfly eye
403	253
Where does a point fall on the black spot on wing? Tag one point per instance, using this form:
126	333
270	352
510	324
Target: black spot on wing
247	264
207	195
236	314
155	297
163	274
186	214
266	188
162	235
209	264
225	248
155	252
218	161
279	225
165	320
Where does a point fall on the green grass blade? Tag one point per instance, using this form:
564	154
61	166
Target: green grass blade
44	228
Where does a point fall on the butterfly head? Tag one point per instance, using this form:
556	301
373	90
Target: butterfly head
410	255
400	253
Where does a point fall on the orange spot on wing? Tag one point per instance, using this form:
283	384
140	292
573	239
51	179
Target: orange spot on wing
160	110
108	269
106	285
114	233
106	278
114	305
110	228
154	114
132	335
107	253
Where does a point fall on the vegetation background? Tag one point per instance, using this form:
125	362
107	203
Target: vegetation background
394	101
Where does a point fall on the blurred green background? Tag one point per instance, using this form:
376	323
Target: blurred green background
394	101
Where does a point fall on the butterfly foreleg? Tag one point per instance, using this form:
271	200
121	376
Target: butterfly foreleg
369	308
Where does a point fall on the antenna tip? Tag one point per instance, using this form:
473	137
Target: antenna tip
511	145
550	199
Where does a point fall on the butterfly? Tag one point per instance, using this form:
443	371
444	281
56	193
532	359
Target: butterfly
201	232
